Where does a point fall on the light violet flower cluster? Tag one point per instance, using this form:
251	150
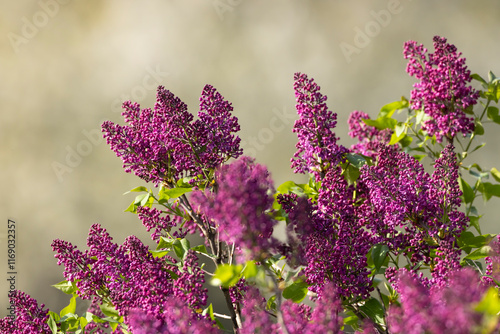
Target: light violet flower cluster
443	91
165	144
447	309
244	194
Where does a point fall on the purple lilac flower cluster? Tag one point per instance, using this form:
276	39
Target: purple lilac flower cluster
370	139
244	194
493	263
165	144
414	213
317	147
175	318
128	276
447	309
443	92
29	317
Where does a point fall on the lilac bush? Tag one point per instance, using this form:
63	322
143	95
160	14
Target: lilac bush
384	237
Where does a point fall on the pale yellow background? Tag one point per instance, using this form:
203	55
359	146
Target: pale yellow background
69	73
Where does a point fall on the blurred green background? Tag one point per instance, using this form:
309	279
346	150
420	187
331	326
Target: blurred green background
66	65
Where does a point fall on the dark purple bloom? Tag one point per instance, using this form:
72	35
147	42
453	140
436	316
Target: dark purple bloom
414	213
29	317
443	91
317	146
129	276
165	144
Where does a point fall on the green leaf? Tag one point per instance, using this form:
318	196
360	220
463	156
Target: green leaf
467	192
181	247
419	116
71	308
490	304
374	310
227	275
52	322
474	221
389	109
166	194
66	287
479	253
165	243
495	173
271	303
379	254
251	270
159	253
356	160
137	189
290	186
109	310
478	128
381	123
200	249
477	77
492	113
488	190
351	174
396	139
297	291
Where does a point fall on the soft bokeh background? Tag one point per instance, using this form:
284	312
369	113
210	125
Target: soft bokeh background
67	65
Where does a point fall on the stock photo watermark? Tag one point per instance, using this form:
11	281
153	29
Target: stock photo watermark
11	263
364	35
31	25
224	6
279	122
93	137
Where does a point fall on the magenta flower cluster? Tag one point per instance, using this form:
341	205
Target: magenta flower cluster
414	213
317	147
239	207
448	309
165	144
29	317
443	91
370	139
128	277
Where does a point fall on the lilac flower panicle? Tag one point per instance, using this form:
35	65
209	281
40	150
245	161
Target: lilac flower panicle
165	144
29	316
370	139
244	193
129	276
317	146
409	207
443	91
176	318
493	263
447	309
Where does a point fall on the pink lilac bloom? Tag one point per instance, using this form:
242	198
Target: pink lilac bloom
317	145
29	317
447	309
369	137
256	320
244	194
414	213
165	144
326	316
328	238
176	318
443	91
128	275
152	218
493	263
296	317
